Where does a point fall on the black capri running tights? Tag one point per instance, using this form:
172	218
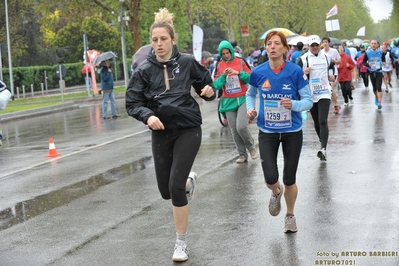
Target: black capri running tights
174	152
269	144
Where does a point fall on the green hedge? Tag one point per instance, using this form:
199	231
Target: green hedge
36	75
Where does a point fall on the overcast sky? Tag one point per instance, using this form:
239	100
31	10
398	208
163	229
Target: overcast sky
379	9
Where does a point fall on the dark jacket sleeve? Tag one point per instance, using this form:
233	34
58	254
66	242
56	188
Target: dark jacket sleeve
202	77
365	59
136	102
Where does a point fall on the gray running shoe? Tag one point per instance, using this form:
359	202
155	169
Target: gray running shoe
275	202
181	251
191	182
290	224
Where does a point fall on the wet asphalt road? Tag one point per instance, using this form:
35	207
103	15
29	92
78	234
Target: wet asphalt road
97	203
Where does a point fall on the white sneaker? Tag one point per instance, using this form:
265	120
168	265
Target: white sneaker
290	224
345	104
191	182
181	251
241	159
352	102
275	201
366	89
254	154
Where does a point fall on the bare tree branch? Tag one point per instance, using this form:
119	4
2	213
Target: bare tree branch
111	10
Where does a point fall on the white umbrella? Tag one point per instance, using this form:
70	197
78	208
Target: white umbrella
295	40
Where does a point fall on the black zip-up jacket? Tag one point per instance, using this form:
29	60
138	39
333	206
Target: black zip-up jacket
147	94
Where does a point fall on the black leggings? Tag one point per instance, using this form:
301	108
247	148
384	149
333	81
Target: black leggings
365	77
376	81
346	90
396	66
269	144
319	113
174	152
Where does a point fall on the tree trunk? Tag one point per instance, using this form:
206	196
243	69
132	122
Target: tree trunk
134	24
189	15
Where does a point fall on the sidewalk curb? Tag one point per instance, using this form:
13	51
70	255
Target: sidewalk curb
38	111
53	109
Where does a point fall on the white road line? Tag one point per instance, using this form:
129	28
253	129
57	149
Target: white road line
73	153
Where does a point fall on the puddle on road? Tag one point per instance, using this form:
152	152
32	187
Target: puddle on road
26	210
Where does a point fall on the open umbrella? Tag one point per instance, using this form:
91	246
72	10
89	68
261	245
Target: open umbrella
392	43
141	55
334	41
350	43
357	41
299	38
287	33
366	45
206	54
255	53
103	57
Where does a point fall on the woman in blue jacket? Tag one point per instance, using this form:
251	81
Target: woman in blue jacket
284	94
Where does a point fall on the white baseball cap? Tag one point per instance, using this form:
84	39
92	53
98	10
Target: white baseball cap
314	39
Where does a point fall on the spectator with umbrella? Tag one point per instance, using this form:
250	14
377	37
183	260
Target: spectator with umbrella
107	83
107	88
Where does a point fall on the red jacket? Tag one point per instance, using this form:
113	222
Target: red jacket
344	71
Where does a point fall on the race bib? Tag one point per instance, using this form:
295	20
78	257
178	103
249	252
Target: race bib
232	84
375	64
276	116
319	85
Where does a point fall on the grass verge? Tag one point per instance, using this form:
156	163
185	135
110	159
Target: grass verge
48	100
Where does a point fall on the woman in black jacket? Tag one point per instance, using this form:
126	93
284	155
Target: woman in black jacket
159	95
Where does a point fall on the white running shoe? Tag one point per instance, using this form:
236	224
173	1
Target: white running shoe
191	182
275	201
254	154
181	251
290	224
241	159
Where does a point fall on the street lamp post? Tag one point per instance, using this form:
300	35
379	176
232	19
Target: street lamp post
121	20
9	53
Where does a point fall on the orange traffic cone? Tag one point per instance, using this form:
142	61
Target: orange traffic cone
52	151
